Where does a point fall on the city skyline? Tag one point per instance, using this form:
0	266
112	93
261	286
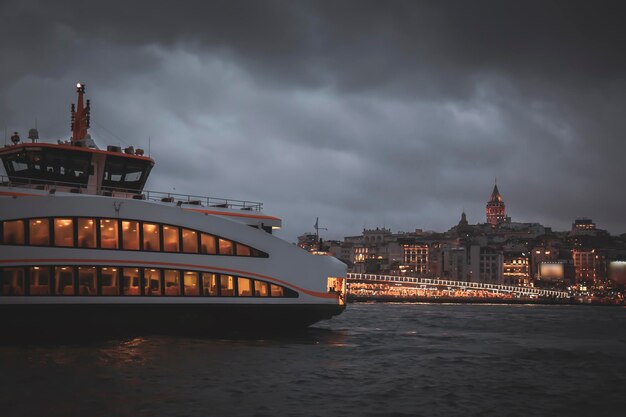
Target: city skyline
359	113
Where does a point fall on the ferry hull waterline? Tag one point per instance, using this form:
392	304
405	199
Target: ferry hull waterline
85	250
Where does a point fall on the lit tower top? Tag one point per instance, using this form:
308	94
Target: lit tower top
496	209
80	117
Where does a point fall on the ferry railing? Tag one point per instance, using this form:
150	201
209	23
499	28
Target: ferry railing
160	196
458	284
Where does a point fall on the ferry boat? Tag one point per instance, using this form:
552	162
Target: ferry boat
85	249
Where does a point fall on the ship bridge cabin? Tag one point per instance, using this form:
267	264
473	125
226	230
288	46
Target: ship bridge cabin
76	165
71	168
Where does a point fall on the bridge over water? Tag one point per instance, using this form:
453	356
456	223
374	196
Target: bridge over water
443	284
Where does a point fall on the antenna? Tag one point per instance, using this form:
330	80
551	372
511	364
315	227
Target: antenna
317	231
5	136
149	142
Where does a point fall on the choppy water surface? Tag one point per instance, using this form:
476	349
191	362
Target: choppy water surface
374	360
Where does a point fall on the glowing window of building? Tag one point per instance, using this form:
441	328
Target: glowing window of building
170	239
13	232
226	247
151	237
13	281
209	284
191	283
260	289
39	281
110	281
130	235
244	287
243	250
152	279
87	280
39	232
132	281
64	232
172	282
64	278
86	233
227	285
190	241
276	291
109	237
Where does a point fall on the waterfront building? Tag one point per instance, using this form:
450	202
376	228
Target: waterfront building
516	270
585	263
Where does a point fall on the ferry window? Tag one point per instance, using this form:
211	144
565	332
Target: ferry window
243	250
226	247
172	282
86	233
64	277
151	237
209	283
152	279
39	281
13	233
190	241
191	283
39	232
64	232
244	287
132	281
87	280
13	281
208	244
170	239
130	235
276	290
113	172
260	289
109	234
110	281
227	285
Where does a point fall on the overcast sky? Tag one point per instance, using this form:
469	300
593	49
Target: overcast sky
382	113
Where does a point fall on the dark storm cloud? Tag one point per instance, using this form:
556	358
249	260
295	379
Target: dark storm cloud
362	113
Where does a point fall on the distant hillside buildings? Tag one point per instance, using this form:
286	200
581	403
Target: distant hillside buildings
498	251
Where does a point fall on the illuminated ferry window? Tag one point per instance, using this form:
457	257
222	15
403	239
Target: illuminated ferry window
227	286
209	283
13	233
39	281
208	244
132	284
64	277
110	281
13	281
191	283
64	232
87	280
243	250
244	287
276	290
190	241
172	282
170	239
260	289
39	232
226	247
130	235
109	238
86	233
152	279
151	237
